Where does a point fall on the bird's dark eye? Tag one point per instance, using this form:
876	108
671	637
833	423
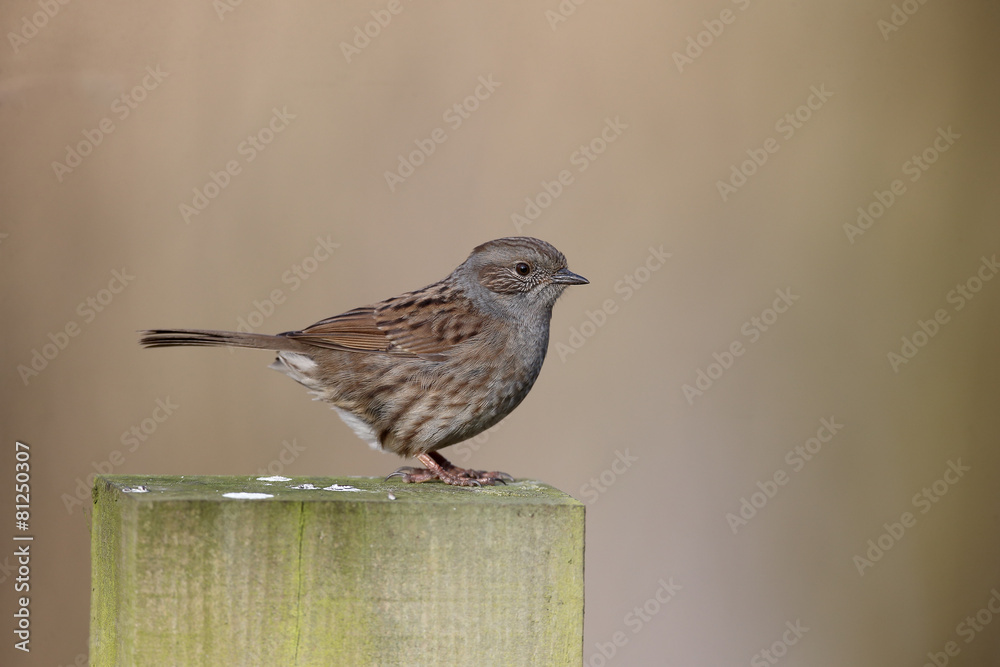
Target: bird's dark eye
522	268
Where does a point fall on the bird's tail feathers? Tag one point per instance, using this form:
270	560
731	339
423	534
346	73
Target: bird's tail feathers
208	338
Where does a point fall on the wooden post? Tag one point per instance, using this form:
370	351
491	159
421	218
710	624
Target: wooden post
353	571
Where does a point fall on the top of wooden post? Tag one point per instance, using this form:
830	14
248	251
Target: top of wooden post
154	488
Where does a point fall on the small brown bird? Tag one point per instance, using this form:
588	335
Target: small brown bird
430	368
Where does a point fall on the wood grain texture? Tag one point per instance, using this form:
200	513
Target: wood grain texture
183	575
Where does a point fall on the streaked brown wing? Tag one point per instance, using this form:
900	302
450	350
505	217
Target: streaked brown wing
429	322
354	330
426	324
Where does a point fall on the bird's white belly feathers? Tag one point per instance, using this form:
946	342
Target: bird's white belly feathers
360	427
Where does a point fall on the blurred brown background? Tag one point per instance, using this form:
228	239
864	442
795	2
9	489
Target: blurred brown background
114	116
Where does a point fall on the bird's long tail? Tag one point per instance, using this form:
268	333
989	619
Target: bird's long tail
208	338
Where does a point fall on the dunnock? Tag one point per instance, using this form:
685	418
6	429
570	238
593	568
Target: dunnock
430	368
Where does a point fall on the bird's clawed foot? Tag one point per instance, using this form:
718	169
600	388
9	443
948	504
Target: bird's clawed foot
438	467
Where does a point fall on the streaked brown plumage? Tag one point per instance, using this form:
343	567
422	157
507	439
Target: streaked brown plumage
429	368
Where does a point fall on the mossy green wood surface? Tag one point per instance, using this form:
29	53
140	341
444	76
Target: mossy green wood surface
339	574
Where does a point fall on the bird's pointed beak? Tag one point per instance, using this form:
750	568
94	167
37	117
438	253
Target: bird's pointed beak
567	277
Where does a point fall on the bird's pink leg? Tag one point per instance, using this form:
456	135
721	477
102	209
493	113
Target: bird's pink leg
438	467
